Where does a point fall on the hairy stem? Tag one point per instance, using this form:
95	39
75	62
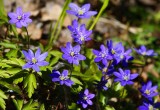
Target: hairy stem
105	4
28	38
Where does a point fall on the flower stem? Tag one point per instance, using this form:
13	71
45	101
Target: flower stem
57	24
66	98
105	4
71	70
28	38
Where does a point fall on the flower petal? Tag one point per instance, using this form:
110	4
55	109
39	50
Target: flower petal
38	52
36	68
42	56
18	25
42	63
19	11
27	56
27	65
86	7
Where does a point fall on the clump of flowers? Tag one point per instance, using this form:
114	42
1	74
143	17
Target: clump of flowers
72	54
79	33
35	60
143	51
148	91
19	18
125	77
102	84
102	55
150	105
81	12
85	98
61	78
104	67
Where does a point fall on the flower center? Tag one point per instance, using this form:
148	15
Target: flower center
121	56
125	78
80	12
85	98
72	53
143	53
147	92
113	52
104	69
151	107
82	38
19	17
103	55
62	78
34	60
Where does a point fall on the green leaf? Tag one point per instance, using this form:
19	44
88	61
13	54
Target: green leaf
53	61
30	84
42	107
3	15
13	28
13	71
2	102
77	81
9	72
16	61
56	53
31	105
12	53
109	108
8	45
118	87
89	53
13	87
18	103
18	80
73	106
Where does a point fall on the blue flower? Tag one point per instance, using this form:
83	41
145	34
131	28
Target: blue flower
61	78
35	60
102	55
107	70
85	98
125	77
79	33
72	53
123	56
19	18
114	50
102	84
82	12
150	105
148	91
145	52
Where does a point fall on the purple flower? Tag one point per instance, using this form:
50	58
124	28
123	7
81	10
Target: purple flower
79	33
148	91
145	52
82	12
102	55
149	106
61	78
85	98
102	84
19	18
105	69
114	50
123	56
35	60
72	53
125	77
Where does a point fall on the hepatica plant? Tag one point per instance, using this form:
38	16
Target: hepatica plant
85	73
19	18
